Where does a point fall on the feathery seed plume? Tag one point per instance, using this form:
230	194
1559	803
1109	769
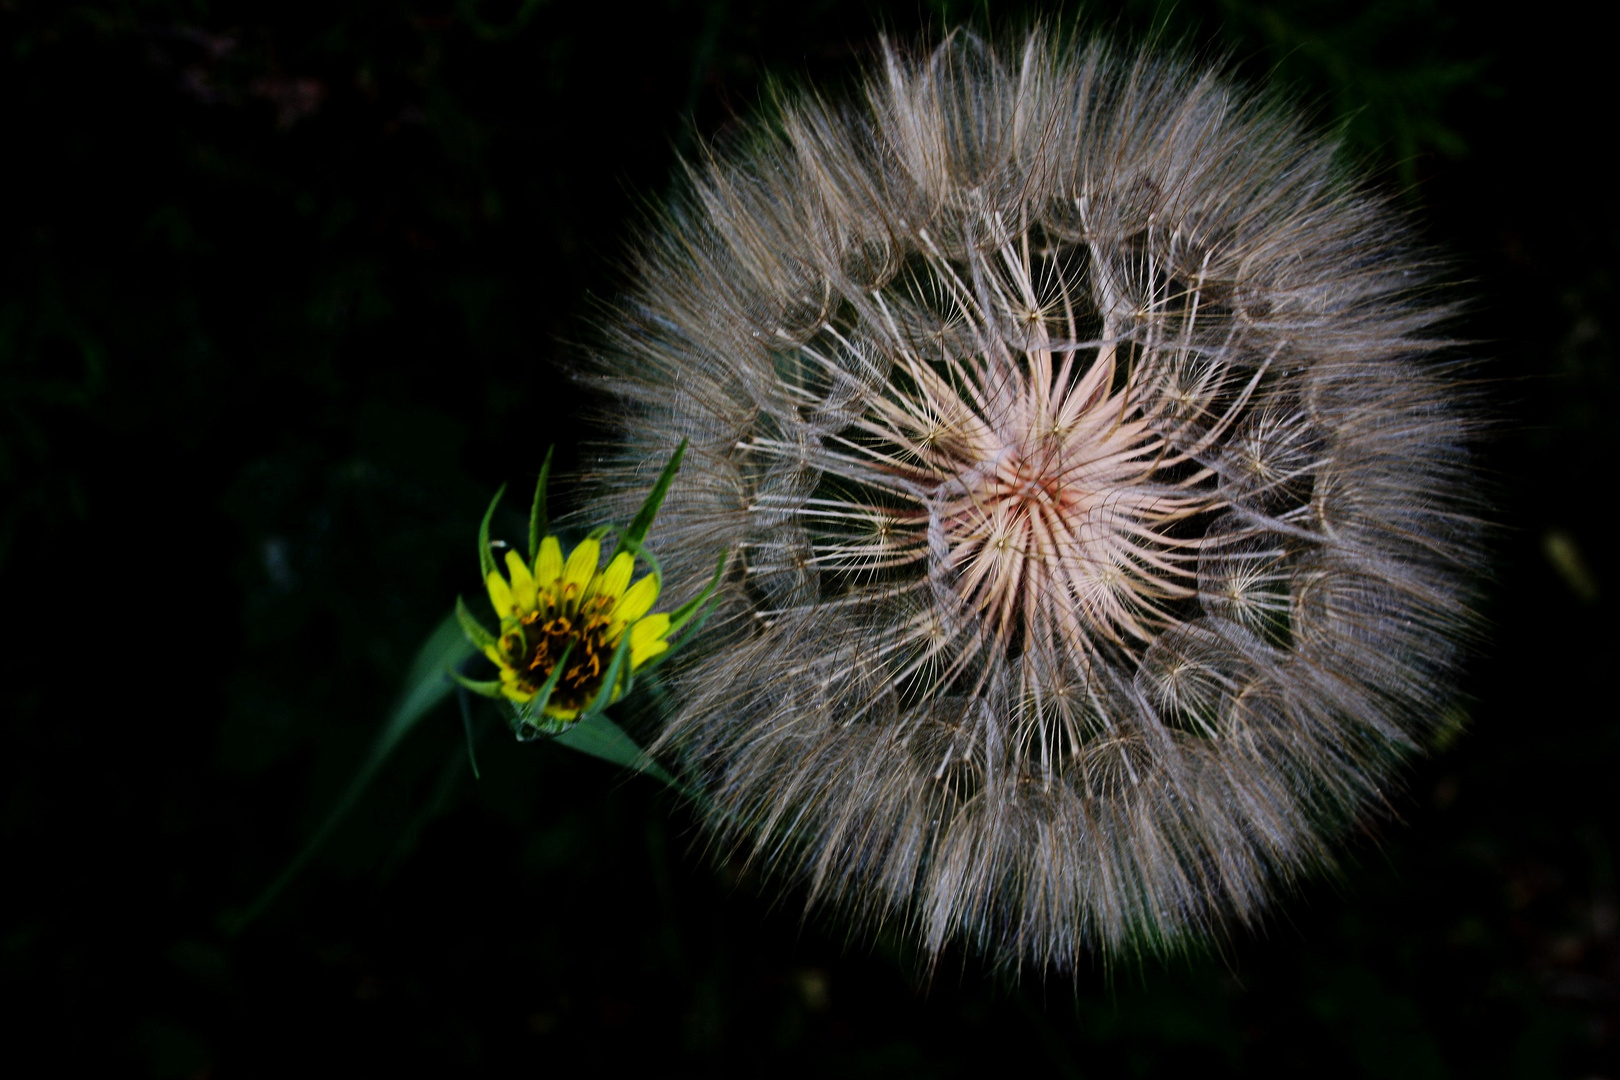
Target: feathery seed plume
1098	492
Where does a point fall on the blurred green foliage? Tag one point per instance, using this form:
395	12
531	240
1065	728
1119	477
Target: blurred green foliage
284	297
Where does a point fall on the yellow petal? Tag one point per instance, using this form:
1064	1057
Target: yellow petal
522	583
637	600
647	638
558	713
610	586
548	564
500	594
517	695
495	654
640	654
581	565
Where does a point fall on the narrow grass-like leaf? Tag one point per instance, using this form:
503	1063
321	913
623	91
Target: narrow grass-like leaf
542	697
539	525
425	687
480	638
486	557
643	520
621	660
600	737
490	689
681	615
467	730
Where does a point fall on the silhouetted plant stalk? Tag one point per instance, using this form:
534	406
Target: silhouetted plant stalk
1097	487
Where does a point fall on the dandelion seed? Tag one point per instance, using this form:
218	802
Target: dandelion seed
1098	486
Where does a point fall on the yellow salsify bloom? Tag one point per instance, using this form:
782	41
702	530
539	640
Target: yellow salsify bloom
573	635
570	611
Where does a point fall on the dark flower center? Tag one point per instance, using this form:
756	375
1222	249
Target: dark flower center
538	642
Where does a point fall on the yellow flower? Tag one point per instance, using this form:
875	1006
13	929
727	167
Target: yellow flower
574	632
570	612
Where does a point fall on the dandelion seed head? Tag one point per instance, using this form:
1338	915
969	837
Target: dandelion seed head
1097	488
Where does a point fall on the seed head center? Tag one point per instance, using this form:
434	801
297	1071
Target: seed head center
1055	518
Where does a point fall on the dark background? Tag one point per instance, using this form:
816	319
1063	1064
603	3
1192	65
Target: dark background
284	294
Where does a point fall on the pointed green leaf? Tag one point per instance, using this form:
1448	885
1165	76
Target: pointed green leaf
637	531
539	525
425	686
490	689
467	731
476	634
679	617
486	557
531	713
604	696
600	737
